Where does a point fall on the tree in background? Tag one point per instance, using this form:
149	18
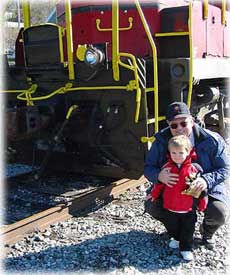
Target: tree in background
40	10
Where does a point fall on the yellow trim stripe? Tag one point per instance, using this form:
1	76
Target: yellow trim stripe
171	34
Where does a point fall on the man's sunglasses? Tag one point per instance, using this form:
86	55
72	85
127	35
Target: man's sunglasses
175	125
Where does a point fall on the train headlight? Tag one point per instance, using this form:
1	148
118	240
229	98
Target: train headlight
94	56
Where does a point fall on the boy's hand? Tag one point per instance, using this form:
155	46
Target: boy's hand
195	187
191	192
200	184
190	178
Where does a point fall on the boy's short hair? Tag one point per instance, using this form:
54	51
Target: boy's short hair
180	141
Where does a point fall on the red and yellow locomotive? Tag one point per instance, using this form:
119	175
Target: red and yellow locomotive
90	87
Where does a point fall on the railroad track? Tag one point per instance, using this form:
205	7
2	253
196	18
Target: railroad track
88	200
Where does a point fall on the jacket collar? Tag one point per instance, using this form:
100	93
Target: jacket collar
199	134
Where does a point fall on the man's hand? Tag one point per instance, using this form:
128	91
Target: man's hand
148	197
199	184
168	178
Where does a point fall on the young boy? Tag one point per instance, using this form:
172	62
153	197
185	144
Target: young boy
181	206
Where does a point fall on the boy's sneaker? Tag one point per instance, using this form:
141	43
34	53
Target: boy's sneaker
173	243
187	255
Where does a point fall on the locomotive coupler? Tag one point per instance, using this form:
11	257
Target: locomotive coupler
54	141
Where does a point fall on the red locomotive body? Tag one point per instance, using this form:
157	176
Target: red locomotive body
94	26
92	86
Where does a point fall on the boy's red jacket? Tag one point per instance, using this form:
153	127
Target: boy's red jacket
172	197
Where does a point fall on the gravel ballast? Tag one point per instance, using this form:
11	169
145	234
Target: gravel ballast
115	239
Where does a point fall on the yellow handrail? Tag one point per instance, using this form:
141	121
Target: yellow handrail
189	33
223	12
152	120
147	139
137	87
25	95
33	88
28	94
189	99
60	35
68	17
205	9
155	67
116	57
70	111
93	88
115	39
26	13
98	21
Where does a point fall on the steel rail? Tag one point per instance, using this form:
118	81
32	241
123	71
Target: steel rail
14	232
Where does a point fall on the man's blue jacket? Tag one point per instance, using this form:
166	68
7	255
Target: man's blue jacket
211	155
